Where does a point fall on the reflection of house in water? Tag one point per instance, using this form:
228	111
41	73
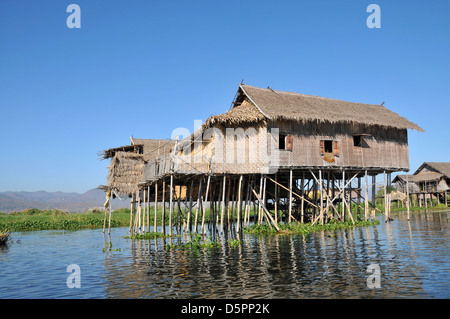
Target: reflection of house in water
430	181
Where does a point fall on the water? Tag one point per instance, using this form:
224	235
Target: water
413	258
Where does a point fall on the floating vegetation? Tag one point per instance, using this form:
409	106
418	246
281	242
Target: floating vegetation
146	235
198	242
35	219
299	228
109	248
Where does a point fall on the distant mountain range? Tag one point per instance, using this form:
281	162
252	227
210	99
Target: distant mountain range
70	202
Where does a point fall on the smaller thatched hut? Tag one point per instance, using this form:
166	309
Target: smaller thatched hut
127	163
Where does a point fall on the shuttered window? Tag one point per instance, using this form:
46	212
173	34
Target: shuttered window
289	142
328	146
336	148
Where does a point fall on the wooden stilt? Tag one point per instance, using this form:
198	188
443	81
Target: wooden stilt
302	208
155	225
202	230
239	212
148	208
170	204
276	200
343	196
374	195
131	215
163	216
191	199
222	213
407	195
321	196
366	196
110	213
198	205
290	196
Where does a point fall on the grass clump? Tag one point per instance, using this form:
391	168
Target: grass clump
299	228
146	235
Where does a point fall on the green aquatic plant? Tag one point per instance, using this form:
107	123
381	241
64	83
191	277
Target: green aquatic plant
299	228
197	242
109	248
146	235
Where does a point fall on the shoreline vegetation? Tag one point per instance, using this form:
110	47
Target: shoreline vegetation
35	219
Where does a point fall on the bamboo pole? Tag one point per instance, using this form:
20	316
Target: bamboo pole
131	215
110	213
239	211
302	208
343	195
269	217
321	196
198	205
290	196
261	182
191	199
144	209
148	208
170	204
407	195
203	206
366	197
163	216
222	213
155	226
276	200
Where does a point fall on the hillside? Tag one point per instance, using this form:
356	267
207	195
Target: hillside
70	202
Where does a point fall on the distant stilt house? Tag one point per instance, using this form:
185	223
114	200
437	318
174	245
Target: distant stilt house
431	179
278	155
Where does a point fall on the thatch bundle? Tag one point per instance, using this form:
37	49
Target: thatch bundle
279	105
125	172
245	113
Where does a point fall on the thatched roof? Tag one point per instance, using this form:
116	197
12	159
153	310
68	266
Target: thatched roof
125	172
420	177
279	105
246	112
154	148
440	167
150	148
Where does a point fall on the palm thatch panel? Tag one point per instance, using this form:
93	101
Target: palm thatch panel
279	105
125	172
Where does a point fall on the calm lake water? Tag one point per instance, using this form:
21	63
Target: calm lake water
413	258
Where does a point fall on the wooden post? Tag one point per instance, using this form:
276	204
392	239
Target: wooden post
445	194
386	212
191	199
170	204
144	209
239	213
366	196
276	200
163	217
374	195
222	213
407	194
303	199
198	204
203	206
110	213
131	215
290	196
148	208
261	183
343	196
155	226
321	196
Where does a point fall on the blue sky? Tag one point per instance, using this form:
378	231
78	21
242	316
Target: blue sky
144	68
